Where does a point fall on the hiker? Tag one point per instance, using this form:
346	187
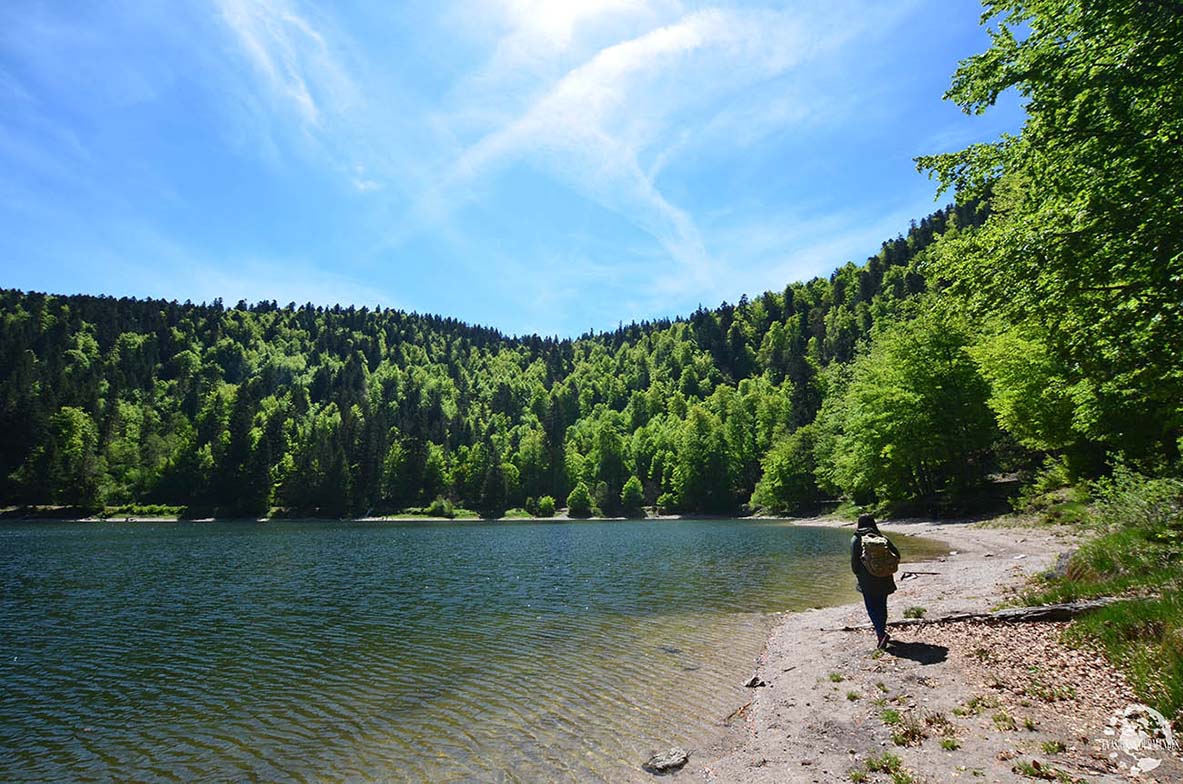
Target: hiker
873	559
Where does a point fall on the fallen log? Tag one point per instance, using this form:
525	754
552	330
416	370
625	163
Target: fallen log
1045	613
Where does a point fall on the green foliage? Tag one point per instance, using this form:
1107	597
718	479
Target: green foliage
1029	391
632	497
546	506
1084	246
885	763
911	418
346	411
701	479
441	507
1127	500
909	730
579	501
1140	552
789	483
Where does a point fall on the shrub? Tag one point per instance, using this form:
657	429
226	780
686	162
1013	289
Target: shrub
546	506
441	507
579	501
632	496
1128	500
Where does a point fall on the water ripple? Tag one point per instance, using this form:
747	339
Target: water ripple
309	652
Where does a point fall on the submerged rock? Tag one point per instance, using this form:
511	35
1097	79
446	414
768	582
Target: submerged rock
667	761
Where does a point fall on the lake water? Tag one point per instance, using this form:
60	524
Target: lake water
349	651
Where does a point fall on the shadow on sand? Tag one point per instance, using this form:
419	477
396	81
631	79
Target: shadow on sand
920	652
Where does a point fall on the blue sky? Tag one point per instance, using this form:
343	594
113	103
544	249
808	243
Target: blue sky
546	167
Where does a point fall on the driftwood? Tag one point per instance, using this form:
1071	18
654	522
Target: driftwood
740	711
1041	614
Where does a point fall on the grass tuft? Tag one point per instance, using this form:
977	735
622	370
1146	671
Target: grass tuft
885	763
1004	721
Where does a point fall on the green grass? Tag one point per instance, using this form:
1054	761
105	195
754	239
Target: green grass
853	696
891	717
915	612
1004	721
1047	692
1036	770
909	729
1113	564
1030	770
836	677
857	775
950	744
975	705
1053	747
1144	637
517	514
1137	554
885	763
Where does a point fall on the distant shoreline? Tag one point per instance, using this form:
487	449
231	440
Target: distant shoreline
13	516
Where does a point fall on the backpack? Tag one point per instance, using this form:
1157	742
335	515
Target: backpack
877	556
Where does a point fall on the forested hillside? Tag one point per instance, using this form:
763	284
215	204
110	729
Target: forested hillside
349	411
1039	322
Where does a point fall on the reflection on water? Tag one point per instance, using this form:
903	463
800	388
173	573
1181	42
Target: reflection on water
321	651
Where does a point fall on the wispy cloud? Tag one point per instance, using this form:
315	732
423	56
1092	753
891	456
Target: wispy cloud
645	99
291	56
578	157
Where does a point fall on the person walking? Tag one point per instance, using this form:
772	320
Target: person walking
874	559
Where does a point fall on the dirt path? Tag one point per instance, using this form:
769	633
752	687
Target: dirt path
968	701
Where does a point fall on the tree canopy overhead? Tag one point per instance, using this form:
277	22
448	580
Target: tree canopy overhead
1084	247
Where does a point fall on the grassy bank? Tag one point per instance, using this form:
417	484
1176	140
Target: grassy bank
1132	546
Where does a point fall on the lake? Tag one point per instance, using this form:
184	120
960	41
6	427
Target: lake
309	651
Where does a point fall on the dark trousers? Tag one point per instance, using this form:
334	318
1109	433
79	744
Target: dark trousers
877	610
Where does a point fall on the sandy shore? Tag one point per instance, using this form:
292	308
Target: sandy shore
975	701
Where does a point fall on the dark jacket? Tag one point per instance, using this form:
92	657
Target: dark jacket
867	582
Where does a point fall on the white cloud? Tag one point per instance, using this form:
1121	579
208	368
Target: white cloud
291	55
646	98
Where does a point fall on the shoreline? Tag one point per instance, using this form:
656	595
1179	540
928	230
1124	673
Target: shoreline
557	517
963	690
